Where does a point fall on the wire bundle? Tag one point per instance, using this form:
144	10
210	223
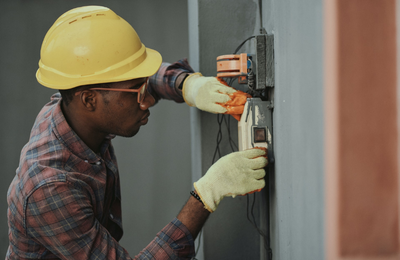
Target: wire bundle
221	119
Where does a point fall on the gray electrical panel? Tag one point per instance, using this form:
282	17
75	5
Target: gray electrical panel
265	61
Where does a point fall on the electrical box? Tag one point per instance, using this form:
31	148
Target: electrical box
254	127
257	71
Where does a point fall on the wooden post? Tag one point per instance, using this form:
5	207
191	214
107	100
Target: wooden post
361	136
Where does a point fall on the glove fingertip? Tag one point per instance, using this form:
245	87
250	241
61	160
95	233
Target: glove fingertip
217	109
259	162
261	148
259	174
255	152
220	97
230	90
257	186
261	184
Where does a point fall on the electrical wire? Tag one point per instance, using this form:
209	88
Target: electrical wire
232	143
240	46
253	220
262	29
220	120
250	211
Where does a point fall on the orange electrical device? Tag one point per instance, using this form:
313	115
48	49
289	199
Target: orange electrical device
232	66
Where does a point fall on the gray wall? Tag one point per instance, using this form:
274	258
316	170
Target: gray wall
298	208
223	25
297	194
154	165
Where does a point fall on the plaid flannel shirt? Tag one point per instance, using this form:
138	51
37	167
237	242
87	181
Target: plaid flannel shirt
162	84
65	200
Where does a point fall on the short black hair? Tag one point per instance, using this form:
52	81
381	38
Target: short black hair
68	94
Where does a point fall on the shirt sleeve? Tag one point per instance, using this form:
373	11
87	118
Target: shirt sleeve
162	84
60	216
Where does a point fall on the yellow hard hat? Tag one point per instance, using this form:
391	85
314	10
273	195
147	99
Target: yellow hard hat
92	44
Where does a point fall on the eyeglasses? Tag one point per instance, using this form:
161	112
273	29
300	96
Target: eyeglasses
141	90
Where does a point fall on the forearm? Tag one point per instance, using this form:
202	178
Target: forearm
193	215
164	84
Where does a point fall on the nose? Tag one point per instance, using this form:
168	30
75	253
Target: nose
148	101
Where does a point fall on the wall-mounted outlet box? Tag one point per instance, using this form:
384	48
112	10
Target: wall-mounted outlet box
254	127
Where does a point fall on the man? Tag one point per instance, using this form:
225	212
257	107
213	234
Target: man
64	202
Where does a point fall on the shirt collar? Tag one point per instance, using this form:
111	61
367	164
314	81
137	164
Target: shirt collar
71	140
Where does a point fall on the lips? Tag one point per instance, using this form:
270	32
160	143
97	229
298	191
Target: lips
145	118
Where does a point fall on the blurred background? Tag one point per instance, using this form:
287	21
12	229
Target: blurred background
154	165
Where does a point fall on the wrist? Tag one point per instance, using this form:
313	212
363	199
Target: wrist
190	88
179	81
196	196
207	201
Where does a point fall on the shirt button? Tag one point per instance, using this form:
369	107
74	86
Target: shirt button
98	163
86	161
111	216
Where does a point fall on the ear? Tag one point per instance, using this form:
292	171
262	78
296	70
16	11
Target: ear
88	99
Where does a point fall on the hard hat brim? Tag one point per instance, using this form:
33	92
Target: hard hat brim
148	67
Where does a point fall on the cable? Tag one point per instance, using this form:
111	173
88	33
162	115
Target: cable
232	143
253	220
220	120
240	46
266	237
262	29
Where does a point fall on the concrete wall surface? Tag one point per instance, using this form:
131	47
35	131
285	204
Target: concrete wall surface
154	165
297	220
297	230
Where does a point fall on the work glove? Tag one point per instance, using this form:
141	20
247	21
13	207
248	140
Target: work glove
213	95
238	173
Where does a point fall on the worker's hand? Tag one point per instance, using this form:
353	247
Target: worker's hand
213	95
235	174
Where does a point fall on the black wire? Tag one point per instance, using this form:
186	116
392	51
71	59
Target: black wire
220	119
252	211
266	238
253	220
262	29
240	46
232	143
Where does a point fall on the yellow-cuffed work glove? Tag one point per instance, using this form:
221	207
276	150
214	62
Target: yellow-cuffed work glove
235	174
213	95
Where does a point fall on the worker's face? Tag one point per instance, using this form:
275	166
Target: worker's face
122	113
